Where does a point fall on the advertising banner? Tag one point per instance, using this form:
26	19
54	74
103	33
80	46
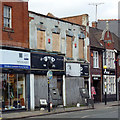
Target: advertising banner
14	59
72	69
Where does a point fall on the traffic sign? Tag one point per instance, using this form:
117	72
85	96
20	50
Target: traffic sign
49	75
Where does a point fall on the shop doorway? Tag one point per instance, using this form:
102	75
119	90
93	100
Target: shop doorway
97	86
60	88
13	91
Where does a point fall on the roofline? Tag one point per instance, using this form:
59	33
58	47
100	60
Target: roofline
96	47
14	1
55	18
108	19
74	16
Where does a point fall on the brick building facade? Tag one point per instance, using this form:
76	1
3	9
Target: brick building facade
96	51
15	60
15	24
112	50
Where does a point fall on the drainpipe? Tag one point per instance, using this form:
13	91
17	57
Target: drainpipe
64	91
116	75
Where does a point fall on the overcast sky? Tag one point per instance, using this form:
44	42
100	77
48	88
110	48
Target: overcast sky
65	8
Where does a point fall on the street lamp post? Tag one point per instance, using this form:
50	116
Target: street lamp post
105	67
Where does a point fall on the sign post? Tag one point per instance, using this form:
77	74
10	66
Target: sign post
49	76
105	67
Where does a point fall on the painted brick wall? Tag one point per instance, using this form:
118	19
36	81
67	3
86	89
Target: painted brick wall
66	44
82	20
18	34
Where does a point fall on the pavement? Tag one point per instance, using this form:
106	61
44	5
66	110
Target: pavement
27	114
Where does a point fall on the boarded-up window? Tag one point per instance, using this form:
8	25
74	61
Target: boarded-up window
69	47
41	40
81	48
56	42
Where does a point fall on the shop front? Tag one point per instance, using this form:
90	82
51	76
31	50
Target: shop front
13	91
15	66
39	69
74	80
110	78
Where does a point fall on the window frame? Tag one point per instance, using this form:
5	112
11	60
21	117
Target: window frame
111	85
110	58
95	59
7	17
67	47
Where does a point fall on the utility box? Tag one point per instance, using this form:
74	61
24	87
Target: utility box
84	94
85	97
56	99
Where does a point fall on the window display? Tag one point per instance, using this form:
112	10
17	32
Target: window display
13	91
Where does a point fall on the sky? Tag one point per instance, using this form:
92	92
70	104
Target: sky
66	8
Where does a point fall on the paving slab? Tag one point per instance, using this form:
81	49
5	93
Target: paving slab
25	114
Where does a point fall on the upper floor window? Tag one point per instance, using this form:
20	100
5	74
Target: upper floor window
110	58
95	59
7	16
56	42
40	39
69	47
81	48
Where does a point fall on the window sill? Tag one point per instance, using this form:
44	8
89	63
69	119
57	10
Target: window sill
79	59
69	58
5	29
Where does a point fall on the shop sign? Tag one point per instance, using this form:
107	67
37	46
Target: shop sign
39	61
84	69
109	72
14	59
96	78
72	69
